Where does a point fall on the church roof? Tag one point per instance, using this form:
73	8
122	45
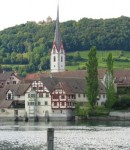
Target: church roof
57	38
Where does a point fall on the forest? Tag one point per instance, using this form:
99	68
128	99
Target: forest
29	44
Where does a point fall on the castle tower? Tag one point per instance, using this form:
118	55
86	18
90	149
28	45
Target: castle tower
57	60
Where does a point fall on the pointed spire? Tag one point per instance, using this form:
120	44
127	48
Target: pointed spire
57	38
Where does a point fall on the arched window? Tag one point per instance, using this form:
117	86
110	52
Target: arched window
54	58
61	59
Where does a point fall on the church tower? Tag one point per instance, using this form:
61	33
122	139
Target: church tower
57	60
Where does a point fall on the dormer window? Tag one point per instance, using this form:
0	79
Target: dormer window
9	96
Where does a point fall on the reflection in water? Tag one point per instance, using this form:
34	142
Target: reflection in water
92	135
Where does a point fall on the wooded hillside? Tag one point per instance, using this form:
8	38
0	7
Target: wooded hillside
104	34
30	43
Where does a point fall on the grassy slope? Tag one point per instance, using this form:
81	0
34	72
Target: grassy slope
101	55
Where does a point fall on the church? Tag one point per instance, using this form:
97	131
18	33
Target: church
57	60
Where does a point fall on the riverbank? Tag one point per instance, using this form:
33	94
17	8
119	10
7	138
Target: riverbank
113	116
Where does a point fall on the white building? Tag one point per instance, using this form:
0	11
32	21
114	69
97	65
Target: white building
12	101
38	101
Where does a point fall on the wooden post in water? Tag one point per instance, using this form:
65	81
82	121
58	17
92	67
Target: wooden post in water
50	139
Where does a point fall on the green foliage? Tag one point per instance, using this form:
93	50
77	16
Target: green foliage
82	111
104	34
99	111
31	42
122	91
111	97
109	83
122	103
92	77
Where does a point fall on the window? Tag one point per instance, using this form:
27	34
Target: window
84	95
40	88
34	88
63	104
62	97
33	95
47	94
56	96
78	95
46	103
61	59
54	59
55	103
69	103
31	103
73	96
39	103
14	82
29	95
40	95
9	96
103	95
69	96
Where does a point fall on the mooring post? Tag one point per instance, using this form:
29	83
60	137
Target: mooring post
50	139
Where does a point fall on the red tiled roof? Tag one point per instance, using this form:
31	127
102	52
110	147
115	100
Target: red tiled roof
65	74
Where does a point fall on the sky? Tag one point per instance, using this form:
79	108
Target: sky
15	12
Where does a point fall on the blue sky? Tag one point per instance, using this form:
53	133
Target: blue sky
13	12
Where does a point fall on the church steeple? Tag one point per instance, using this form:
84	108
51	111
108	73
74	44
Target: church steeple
57	38
57	60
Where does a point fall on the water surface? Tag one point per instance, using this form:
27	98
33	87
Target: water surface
68	135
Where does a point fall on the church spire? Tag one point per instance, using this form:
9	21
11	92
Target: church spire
57	38
57	60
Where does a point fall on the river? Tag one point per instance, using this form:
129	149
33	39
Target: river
68	135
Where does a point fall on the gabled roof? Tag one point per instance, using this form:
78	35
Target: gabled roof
5	103
48	82
65	74
34	76
71	85
4	76
17	89
22	88
77	86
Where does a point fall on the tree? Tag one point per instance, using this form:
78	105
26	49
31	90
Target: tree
92	77
109	83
